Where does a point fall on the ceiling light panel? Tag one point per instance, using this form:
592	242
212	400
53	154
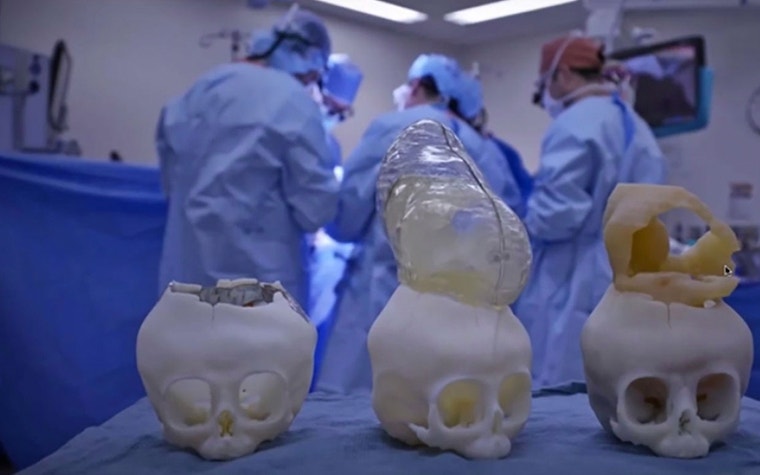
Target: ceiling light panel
502	9
377	8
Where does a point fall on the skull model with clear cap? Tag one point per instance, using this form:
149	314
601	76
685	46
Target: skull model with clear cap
666	360
450	362
226	367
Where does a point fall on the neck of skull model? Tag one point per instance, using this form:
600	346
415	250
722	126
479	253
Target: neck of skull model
467	287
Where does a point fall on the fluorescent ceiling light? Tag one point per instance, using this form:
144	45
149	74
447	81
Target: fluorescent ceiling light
385	10
505	8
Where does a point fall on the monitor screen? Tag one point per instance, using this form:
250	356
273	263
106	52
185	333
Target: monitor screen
666	79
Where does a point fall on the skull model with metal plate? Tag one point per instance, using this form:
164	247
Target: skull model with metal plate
226	367
666	360
450	362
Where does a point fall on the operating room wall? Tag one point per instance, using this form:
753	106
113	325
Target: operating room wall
706	161
130	57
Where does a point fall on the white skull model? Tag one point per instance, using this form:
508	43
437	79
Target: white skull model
227	367
450	362
666	360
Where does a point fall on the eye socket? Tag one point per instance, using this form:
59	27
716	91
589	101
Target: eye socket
515	396
188	402
717	394
261	396
461	402
646	400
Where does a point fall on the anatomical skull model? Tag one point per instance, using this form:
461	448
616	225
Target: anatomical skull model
450	362
226	367
666	360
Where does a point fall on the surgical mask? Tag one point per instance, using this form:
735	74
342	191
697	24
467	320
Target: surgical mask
330	121
552	106
401	96
315	92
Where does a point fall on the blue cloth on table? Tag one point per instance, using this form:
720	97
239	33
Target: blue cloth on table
746	301
81	242
339	435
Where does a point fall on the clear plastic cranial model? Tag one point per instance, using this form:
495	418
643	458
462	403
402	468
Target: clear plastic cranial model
450	234
450	362
226	367
666	360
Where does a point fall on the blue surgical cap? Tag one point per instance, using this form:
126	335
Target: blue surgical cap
444	70
342	79
300	40
469	96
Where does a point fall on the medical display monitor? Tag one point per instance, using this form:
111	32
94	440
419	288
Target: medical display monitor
672	86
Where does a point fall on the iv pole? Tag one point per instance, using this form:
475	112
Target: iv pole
236	37
604	19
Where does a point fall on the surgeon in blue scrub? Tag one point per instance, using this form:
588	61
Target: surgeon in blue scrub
245	163
516	183
521	175
340	86
370	276
595	141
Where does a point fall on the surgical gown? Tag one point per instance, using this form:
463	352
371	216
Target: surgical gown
591	147
335	151
501	179
370	277
522	178
328	261
247	171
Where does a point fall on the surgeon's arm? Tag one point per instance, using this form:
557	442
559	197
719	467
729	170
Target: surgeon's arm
336	153
496	170
308	180
651	166
356	206
560	201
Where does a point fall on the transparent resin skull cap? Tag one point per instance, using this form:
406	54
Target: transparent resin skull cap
450	233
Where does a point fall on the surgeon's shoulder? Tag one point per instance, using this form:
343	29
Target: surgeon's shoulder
284	82
395	121
586	119
469	137
590	107
388	123
260	83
